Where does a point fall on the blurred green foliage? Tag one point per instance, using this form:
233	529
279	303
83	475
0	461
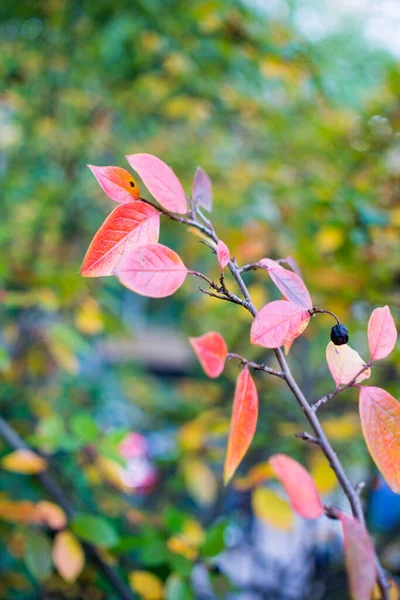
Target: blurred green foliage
301	142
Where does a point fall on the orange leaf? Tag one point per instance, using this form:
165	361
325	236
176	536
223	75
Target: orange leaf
243	424
50	514
382	333
211	351
152	270
344	363
127	227
299	486
24	461
68	556
380	420
278	323
360	558
117	183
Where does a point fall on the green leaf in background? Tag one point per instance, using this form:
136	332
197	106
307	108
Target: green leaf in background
37	555
84	427
177	589
214	542
95	530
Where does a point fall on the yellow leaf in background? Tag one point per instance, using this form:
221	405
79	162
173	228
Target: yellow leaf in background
24	461
112	472
50	514
88	318
394	591
178	545
65	357
193	532
147	585
329	238
257	474
324	477
272	509
22	511
342	428
200	481
68	556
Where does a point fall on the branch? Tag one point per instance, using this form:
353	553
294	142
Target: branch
339	390
54	490
256	366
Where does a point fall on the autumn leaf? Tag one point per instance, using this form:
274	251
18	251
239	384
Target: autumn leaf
50	514
243	423
117	183
68	556
278	323
269	507
202	189
223	254
127	227
152	270
298	485
160	180
200	481
24	461
382	333
359	557
211	351
289	284
380	420
344	363
147	585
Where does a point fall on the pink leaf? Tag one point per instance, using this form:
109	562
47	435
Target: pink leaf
382	333
160	180
117	183
360	558
211	351
128	226
202	189
299	486
223	254
152	270
380	420
278	323
243	424
344	363
290	284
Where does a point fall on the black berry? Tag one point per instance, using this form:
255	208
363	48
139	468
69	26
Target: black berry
339	335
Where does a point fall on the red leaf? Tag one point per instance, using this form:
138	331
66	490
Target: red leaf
128	226
299	486
223	254
344	363
211	351
202	189
382	333
152	270
160	180
380	420
291	286
243	424
360	558
278	323
117	183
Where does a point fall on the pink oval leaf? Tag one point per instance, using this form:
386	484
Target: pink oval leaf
211	351
382	333
291	286
345	363
152	270
243	423
202	189
359	556
160	180
117	183
223	254
278	323
268	263
298	485
128	226
380	420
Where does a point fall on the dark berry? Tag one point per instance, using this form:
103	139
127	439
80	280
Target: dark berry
339	335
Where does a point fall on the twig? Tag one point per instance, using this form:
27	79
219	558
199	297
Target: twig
256	366
52	487
316	310
339	390
307	437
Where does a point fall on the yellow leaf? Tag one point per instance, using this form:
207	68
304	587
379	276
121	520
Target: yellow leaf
200	481
51	514
88	318
68	555
323	475
178	545
255	476
24	461
329	238
272	509
193	532
22	511
342	428
147	585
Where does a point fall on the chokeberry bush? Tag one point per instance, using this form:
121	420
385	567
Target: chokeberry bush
127	246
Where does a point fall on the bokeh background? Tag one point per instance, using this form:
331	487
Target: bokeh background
292	107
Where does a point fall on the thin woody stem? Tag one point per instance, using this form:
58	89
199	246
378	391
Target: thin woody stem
339	390
256	366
